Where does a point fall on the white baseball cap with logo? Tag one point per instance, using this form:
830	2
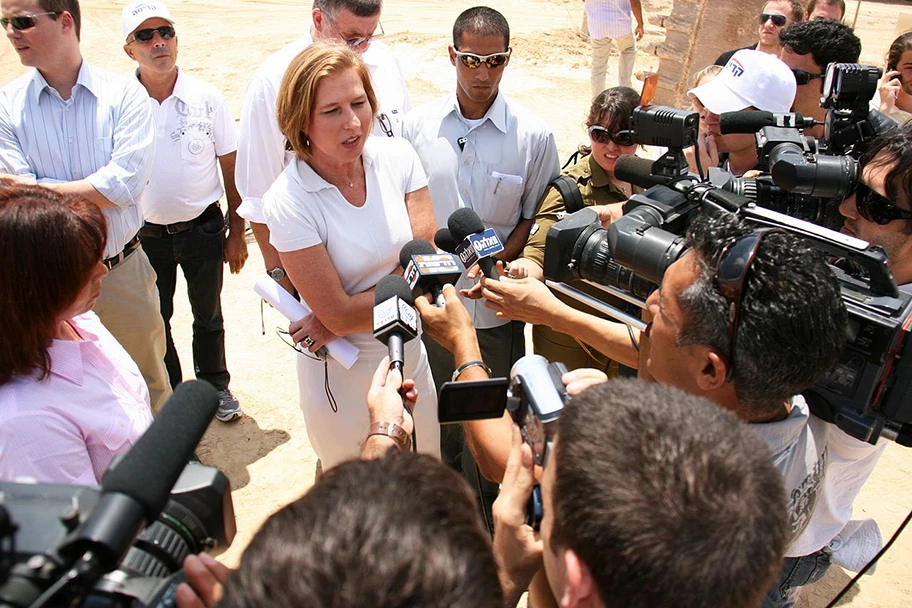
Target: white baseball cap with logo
138	11
750	78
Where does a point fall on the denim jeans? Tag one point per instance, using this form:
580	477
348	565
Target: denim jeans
199	253
796	573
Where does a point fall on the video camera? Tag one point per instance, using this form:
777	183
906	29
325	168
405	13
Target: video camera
868	394
199	516
123	544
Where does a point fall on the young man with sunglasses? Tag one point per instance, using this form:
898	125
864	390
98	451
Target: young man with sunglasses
807	49
184	225
776	15
84	131
262	152
483	151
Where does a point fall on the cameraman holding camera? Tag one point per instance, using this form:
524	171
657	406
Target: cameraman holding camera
786	333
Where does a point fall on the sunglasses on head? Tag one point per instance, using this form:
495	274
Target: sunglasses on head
165	31
473	61
778	20
601	135
876	208
735	261
23	22
802	77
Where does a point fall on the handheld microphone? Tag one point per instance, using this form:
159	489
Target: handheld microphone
427	271
754	120
445	241
395	319
476	245
135	490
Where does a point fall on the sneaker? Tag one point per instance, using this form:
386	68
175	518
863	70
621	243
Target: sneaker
229	409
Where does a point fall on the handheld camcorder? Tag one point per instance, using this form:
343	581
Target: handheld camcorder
868	394
535	398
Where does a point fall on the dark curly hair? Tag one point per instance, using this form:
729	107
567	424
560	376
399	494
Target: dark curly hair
826	40
792	324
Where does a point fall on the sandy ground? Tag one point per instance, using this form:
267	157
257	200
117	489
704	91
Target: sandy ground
266	454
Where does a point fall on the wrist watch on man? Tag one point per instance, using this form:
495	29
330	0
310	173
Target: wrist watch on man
277	274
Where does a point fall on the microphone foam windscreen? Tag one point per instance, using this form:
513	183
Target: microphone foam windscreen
445	241
151	468
414	247
637	171
464	222
393	285
745	121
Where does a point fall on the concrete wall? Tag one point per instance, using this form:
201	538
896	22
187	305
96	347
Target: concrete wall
698	31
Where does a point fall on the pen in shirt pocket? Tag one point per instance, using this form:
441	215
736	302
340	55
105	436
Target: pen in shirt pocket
505	177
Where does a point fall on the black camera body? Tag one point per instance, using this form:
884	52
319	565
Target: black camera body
199	516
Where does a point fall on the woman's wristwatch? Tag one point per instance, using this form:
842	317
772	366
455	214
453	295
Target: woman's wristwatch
277	274
395	432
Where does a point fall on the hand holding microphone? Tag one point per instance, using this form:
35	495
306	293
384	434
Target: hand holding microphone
476	244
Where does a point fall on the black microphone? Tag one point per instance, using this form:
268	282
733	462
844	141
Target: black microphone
752	121
135	490
637	171
427	271
477	245
445	241
395	319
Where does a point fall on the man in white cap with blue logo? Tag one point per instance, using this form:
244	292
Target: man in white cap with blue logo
751	80
184	226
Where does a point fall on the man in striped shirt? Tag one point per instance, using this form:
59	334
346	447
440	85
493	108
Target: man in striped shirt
76	129
611	19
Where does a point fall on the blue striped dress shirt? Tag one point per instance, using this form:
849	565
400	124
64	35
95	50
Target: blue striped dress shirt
103	133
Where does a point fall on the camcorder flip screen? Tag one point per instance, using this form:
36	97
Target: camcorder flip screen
474	400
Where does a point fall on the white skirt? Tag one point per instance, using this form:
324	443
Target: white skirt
337	436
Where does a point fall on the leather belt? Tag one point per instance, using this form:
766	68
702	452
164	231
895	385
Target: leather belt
131	246
155	231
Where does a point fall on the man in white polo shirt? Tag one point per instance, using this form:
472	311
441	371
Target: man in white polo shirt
194	135
262	154
611	20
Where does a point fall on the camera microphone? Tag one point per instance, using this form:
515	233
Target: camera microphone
477	244
753	121
637	171
395	318
427	271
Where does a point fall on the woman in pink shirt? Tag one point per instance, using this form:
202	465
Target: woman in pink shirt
70	397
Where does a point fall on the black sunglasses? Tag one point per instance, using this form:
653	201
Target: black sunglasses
165	31
876	208
778	20
473	61
802	77
735	261
23	22
601	135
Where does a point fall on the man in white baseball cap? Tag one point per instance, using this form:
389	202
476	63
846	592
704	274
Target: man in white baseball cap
195	136
751	80
135	13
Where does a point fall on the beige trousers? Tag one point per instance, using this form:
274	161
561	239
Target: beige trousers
601	51
129	308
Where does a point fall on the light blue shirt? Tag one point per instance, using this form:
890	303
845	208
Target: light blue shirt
609	18
498	166
103	133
